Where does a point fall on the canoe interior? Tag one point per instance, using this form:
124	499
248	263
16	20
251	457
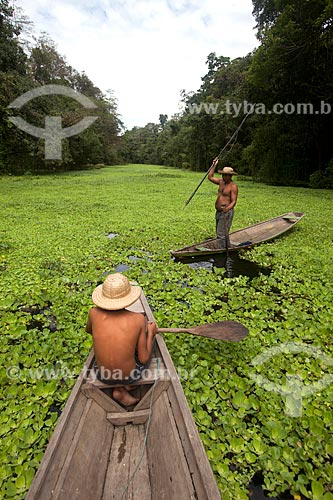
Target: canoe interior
98	446
247	237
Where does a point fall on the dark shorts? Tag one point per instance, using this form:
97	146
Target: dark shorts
135	375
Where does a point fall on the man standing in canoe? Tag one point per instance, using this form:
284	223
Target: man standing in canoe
225	202
122	347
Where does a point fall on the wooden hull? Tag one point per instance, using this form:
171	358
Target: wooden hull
243	238
97	445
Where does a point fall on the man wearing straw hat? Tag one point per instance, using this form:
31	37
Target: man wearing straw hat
225	202
121	345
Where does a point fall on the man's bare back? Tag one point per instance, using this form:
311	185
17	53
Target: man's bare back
116	337
121	344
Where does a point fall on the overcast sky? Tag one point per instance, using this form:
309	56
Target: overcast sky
146	51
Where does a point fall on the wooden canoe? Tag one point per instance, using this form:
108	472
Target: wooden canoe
98	450
243	238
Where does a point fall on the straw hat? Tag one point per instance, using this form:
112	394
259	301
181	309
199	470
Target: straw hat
228	171
116	293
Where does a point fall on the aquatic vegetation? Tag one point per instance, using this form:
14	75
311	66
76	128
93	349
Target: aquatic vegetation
56	246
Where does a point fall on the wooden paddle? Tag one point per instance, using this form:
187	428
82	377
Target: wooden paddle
232	331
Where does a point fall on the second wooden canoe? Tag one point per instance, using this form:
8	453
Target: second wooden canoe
243	238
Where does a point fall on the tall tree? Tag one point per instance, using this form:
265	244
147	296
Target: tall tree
293	65
13	81
12	57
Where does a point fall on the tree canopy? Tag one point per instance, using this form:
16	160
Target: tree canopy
289	79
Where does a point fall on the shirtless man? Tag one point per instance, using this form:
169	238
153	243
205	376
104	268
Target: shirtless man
225	202
121	345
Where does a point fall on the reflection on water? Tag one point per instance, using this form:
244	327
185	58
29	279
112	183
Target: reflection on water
258	494
233	264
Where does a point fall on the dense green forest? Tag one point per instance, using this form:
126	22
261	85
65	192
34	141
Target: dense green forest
292	66
284	88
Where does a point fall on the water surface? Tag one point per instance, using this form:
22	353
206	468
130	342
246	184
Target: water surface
233	264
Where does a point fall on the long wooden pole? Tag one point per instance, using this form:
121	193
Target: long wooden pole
226	234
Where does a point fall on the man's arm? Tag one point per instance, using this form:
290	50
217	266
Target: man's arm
89	324
212	171
145	342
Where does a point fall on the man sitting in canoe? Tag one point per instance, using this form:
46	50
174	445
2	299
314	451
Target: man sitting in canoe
225	202
122	346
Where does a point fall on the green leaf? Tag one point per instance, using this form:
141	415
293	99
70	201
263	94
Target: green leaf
329	448
11	490
250	457
213	435
239	400
258	446
29	475
275	430
237	444
20	482
29	436
222	469
317	490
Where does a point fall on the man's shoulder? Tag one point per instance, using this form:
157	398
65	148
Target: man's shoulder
137	317
97	311
93	310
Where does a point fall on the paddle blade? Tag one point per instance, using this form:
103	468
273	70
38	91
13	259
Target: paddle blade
231	331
